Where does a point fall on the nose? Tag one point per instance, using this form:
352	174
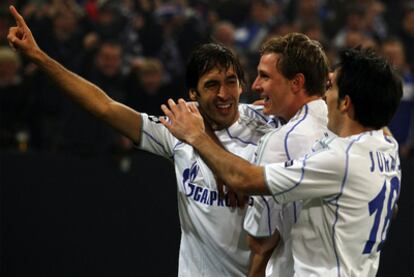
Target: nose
222	92
256	85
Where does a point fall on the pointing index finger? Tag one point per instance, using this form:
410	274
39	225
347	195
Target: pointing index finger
19	19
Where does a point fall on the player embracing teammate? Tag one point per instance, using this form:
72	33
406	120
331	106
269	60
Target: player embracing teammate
346	185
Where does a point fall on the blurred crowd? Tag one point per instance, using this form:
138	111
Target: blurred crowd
136	51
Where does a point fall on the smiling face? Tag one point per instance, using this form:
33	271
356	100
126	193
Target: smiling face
218	92
273	87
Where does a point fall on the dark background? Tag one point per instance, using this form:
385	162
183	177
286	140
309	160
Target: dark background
71	216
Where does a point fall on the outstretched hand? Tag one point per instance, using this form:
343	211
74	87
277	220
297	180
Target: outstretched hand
20	37
184	120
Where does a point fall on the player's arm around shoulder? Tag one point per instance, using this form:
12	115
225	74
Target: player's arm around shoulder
316	175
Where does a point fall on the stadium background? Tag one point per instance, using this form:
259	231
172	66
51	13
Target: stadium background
76	199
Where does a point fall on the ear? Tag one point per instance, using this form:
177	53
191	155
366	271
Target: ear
298	82
240	89
345	106
193	94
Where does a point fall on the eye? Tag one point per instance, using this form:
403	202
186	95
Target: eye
211	85
263	76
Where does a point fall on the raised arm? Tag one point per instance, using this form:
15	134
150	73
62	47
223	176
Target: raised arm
90	97
186	123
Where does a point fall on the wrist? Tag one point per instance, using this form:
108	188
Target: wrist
38	57
198	139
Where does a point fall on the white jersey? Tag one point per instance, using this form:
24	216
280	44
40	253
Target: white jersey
213	242
349	187
293	140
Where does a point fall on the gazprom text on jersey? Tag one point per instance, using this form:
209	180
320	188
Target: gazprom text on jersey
209	197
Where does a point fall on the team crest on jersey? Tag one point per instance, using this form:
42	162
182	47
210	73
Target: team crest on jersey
203	194
189	175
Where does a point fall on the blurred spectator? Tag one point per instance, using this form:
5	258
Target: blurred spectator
314	31
234	11
61	36
108	23
263	16
306	12
354	38
146	88
224	33
403	119
82	133
106	70
91	9
281	29
365	17
407	33
374	16
14	103
5	24
75	33
369	42
143	34
182	31
353	31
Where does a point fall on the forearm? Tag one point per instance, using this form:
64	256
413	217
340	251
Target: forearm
258	264
86	94
83	92
90	97
236	172
262	250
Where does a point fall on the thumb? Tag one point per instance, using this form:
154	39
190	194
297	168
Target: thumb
15	42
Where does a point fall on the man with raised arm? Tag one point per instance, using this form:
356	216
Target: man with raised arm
213	242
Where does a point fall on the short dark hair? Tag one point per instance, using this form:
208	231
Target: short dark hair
208	56
299	54
373	85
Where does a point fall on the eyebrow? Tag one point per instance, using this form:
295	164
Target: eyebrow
232	76
210	82
262	72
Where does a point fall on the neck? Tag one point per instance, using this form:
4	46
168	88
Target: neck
351	128
299	103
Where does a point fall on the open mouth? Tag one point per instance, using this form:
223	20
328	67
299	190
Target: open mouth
224	108
266	99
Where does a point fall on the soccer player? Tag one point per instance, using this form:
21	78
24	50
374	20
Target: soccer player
348	185
213	242
292	77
